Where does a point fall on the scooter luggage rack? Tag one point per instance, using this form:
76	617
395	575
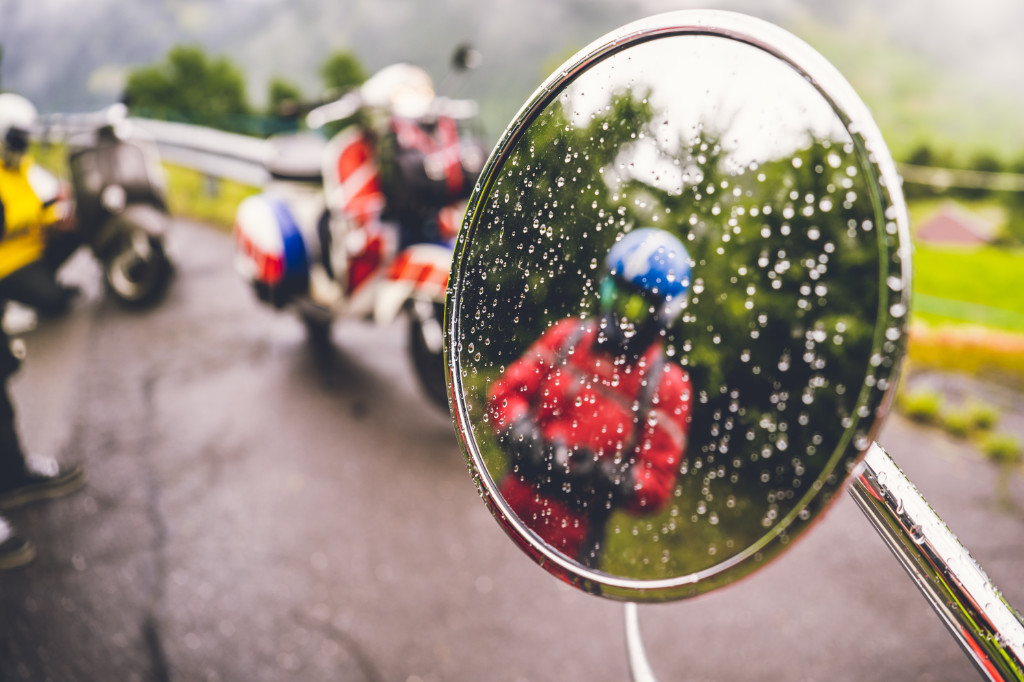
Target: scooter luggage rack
987	628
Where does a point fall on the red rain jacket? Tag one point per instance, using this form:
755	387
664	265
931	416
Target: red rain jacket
577	394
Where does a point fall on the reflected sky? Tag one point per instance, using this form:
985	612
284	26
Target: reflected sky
761	107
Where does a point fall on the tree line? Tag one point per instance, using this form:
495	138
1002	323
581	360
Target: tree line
192	86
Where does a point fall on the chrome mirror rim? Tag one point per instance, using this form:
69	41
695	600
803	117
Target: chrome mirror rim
894	303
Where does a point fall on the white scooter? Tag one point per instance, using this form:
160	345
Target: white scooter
362	225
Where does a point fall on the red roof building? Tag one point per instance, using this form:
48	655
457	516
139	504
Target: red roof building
953	227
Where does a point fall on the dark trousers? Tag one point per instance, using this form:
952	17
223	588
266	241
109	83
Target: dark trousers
35	285
12	459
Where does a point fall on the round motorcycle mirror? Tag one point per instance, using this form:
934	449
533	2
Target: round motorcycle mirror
677	305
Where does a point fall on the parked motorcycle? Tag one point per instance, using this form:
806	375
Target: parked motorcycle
754	152
121	210
362	225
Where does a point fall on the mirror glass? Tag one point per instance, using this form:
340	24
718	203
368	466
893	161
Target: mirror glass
677	306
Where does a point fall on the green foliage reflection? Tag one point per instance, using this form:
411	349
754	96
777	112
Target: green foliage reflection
779	332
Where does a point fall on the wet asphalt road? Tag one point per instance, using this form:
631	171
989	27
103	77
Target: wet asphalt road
256	511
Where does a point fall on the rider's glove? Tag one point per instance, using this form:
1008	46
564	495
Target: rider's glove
535	459
574	475
598	484
525	445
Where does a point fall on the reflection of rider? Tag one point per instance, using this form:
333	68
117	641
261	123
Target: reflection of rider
37	240
593	416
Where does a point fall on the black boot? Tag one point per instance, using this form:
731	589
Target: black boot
41	479
15	551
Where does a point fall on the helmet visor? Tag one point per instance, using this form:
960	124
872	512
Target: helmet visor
627	303
16	140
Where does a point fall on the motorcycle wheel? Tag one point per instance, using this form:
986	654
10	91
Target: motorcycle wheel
426	344
138	279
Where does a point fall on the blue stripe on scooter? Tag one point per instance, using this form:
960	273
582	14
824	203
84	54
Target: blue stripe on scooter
294	247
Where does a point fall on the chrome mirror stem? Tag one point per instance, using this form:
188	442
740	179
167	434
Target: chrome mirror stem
639	667
988	629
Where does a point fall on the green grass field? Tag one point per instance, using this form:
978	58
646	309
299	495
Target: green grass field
968	303
982	286
210	200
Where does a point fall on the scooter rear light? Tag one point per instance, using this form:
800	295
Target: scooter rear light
270	270
265	267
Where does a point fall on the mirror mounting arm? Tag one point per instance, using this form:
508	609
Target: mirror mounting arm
988	629
639	667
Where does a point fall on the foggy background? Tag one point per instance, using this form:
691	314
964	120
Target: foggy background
934	71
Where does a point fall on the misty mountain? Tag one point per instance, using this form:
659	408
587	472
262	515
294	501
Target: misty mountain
924	67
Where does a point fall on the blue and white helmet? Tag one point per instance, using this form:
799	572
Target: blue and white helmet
657	263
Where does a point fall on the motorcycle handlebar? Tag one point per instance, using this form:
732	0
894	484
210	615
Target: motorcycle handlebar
334	111
349	104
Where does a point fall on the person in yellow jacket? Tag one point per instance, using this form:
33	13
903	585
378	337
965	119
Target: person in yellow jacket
37	239
27	210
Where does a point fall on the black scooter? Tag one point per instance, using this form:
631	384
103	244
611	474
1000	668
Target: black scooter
121	210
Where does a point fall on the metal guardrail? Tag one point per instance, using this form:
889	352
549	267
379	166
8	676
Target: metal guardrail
241	157
950	178
213	152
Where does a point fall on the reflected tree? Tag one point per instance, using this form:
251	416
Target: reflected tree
778	333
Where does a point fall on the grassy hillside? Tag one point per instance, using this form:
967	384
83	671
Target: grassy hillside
208	200
982	286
